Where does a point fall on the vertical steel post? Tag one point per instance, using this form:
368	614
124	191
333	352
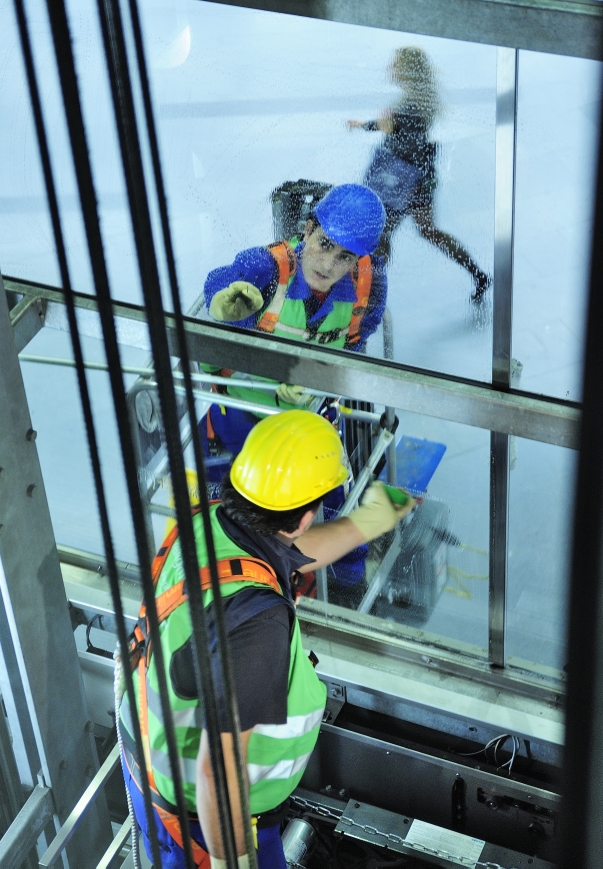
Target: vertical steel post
581	827
506	125
47	670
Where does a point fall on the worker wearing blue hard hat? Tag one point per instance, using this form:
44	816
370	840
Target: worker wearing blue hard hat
326	288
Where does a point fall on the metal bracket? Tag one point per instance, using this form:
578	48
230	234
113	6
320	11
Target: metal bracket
27	318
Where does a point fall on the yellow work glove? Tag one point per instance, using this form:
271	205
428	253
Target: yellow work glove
236	302
296	395
377	513
218	863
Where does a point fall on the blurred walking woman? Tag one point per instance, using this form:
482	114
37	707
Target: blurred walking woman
403	168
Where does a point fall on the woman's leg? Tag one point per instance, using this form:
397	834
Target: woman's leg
393	219
423	217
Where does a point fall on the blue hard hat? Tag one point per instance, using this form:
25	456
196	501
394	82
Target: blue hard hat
352	216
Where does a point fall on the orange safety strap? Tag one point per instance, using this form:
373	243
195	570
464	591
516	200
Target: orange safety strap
229	570
211	434
168	819
286	264
144	720
244	568
362	284
172	825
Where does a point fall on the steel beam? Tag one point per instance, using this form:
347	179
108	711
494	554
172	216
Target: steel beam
33	599
555	26
29	824
27	318
11	789
582	842
394	385
80	810
502	327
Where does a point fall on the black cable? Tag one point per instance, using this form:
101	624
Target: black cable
195	599
73	113
85	397
115	51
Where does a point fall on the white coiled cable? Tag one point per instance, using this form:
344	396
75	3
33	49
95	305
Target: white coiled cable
119	689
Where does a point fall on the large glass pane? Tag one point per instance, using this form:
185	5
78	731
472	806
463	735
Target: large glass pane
28	247
435	577
540	513
235	128
56	412
247	101
558	115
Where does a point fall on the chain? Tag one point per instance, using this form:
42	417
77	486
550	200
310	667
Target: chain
435	852
319	809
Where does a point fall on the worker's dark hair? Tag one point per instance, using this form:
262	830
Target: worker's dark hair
259	519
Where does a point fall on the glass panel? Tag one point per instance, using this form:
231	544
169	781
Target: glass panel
558	116
237	122
539	555
55	407
27	248
277	112
432	574
434	579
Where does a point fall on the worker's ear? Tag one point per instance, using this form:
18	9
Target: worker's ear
304	523
306	520
308	228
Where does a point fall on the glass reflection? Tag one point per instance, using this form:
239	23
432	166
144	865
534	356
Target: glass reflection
540	511
235	126
557	134
55	406
403	168
431	574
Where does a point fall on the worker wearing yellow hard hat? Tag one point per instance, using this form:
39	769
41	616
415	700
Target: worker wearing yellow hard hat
263	534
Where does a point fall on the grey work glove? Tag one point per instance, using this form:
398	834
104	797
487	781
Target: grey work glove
377	514
296	395
236	302
218	863
148	412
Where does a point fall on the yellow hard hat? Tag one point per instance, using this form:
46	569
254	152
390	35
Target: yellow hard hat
288	460
193	493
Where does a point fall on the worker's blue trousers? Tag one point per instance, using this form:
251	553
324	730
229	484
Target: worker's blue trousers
270	849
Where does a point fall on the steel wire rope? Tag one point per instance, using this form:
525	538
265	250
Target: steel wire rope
66	67
86	404
115	51
195	601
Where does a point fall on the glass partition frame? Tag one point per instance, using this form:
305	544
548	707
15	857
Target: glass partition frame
500	408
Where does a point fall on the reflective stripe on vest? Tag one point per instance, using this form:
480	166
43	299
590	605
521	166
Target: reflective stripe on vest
277	755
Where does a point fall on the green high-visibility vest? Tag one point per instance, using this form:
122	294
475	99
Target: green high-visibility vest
277	754
286	317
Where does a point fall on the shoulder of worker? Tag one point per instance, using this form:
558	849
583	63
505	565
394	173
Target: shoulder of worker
379	275
255	265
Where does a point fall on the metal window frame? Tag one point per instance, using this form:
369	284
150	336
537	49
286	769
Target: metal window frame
502	412
57	732
567	27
